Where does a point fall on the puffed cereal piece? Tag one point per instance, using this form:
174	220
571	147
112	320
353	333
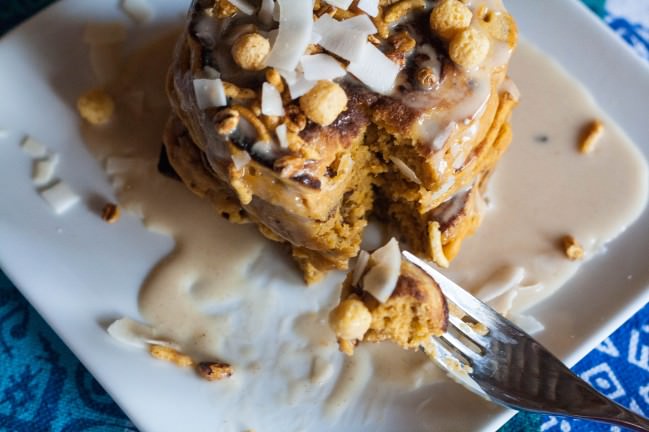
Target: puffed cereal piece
96	107
499	25
351	319
170	355
398	10
571	247
449	17
469	48
214	371
591	135
250	51
324	102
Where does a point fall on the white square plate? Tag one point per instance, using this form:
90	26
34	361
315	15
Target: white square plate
77	272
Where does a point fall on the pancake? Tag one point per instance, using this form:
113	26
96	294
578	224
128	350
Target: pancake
309	150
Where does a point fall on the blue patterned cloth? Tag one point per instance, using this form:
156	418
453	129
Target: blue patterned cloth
43	387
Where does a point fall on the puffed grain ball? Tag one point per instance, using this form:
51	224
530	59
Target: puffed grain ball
250	51
324	102
96	107
351	319
469	48
449	17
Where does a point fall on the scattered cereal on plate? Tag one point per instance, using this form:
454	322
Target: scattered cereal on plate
96	106
591	136
214	371
573	250
110	213
171	355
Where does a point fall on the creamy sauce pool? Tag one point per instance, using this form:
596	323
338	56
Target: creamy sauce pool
544	189
226	293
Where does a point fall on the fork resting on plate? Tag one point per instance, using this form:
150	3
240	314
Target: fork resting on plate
494	358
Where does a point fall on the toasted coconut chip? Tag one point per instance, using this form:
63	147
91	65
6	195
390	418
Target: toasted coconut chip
370	7
263	149
374	69
295	27
381	279
282	136
500	282
340	38
210	93
360	23
241	159
139	11
43	170
243	6
60	197
33	148
361	264
289	76
131	332
271	101
321	67
407	172
437	251
300	87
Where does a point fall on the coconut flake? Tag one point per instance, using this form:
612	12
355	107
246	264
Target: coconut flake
262	149
211	73
209	93
282	136
33	148
131	332
405	170
321	67
266	10
381	279
295	27
370	7
361	264
300	87
340	38
139	11
44	169
241	159
360	23
289	76
243	6
104	33
60	197
271	101
340	4
375	70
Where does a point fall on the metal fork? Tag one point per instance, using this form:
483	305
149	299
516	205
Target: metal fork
503	364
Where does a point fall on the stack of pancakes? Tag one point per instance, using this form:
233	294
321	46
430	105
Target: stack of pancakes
416	154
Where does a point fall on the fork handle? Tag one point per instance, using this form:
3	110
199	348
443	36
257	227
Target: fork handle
621	416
